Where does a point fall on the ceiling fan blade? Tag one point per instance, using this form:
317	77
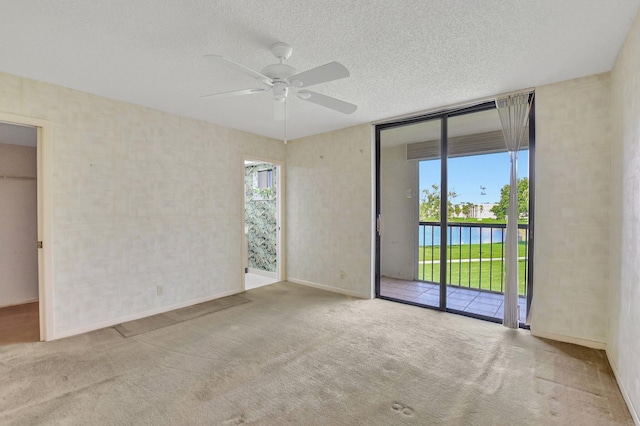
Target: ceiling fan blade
280	110
235	93
327	102
322	74
239	67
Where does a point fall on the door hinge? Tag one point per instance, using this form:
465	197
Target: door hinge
378	224
39	244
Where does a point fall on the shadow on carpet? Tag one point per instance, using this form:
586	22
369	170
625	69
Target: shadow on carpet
154	322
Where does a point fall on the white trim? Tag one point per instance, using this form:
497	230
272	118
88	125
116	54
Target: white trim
329	288
44	152
139	315
262	273
282	196
568	339
623	391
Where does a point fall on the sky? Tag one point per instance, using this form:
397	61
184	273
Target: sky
467	174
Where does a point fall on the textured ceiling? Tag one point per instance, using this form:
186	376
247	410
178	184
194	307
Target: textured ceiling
404	56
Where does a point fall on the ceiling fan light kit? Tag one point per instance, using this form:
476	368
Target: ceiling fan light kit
282	79
280	91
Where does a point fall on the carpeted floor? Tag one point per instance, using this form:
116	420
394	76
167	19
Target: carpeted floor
297	355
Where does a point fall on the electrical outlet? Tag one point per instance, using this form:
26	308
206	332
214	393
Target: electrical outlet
159	290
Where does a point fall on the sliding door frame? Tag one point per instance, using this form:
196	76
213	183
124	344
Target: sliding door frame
444	116
444	216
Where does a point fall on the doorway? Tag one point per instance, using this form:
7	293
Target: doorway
44	154
449	255
19	285
261	237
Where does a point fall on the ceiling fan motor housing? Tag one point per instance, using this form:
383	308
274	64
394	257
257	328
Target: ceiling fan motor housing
279	71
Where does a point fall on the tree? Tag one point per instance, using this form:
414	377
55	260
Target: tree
430	203
467	209
502	207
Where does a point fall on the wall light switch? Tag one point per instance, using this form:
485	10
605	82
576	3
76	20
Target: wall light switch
159	290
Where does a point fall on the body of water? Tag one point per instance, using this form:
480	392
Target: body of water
430	235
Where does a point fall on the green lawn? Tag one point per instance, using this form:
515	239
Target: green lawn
484	275
472	251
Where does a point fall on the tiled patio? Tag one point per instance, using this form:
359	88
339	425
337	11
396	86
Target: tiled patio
460	299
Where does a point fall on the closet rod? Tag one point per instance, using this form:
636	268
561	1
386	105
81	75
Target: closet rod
18	177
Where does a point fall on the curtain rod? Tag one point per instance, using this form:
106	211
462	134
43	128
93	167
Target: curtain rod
459	105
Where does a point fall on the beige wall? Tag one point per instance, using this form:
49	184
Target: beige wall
573	209
329	210
623	346
18	224
141	199
398	240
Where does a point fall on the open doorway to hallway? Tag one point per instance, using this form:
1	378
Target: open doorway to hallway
19	288
261	238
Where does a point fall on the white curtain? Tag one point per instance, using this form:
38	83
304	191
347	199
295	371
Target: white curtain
514	113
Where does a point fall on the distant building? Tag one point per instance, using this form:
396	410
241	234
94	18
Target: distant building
477	211
483	211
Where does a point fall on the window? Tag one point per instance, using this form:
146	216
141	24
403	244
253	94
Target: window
265	179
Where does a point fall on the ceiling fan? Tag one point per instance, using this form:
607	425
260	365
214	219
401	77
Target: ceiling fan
281	79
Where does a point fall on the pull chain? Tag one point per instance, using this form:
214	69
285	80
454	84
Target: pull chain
285	121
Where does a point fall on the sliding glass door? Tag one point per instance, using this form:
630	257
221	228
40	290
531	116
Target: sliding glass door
449	254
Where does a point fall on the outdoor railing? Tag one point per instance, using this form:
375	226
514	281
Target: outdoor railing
475	255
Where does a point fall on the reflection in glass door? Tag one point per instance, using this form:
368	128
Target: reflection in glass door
402	248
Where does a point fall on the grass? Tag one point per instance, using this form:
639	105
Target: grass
469	251
485	275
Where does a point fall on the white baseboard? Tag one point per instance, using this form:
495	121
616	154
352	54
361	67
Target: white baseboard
329	288
136	316
262	273
19	303
623	391
568	339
